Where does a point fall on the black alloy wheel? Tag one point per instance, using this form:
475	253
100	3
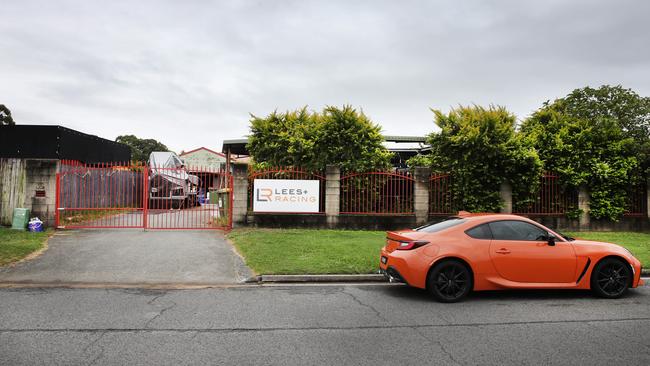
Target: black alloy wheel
611	278
450	281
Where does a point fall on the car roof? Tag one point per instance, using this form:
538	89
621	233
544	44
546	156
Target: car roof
487	216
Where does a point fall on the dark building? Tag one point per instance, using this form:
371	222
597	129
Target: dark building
30	158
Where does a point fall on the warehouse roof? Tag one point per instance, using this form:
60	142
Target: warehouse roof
58	142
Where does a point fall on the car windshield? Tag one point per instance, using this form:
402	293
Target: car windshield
439	226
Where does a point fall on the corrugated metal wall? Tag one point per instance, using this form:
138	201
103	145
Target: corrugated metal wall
12	187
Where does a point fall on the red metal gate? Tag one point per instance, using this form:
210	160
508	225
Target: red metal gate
122	195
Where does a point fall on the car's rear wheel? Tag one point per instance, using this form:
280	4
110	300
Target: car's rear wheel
611	278
450	281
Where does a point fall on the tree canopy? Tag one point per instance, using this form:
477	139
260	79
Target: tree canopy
597	138
342	136
481	148
141	148
5	116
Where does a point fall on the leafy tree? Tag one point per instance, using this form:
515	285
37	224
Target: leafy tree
5	116
342	136
141	148
284	139
481	149
590	138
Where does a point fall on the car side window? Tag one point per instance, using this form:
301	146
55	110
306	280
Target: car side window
480	232
517	230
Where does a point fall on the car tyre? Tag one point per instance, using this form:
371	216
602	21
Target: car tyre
450	281
611	278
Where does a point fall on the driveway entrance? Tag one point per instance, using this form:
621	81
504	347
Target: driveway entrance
119	195
132	257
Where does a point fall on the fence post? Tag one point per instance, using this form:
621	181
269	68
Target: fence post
332	194
506	196
421	194
583	204
240	194
647	196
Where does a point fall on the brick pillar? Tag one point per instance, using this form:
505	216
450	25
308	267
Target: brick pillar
240	194
332	195
583	204
421	194
506	196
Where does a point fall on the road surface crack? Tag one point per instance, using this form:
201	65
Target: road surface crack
289	329
161	311
101	348
368	306
440	345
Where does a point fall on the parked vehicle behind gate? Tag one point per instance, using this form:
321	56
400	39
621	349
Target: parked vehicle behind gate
497	251
170	186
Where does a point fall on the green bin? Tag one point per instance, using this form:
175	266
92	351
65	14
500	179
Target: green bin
214	197
224	200
21	219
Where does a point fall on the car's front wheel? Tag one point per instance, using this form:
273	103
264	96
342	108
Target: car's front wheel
450	281
611	278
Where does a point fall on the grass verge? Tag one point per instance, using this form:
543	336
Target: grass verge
16	245
637	243
305	251
298	251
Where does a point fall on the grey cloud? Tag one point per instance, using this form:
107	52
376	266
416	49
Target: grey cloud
189	73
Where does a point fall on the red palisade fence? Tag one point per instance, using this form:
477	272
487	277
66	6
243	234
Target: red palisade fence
133	195
552	199
441	201
377	193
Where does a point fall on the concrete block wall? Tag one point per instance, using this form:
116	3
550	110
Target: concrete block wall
240	194
40	189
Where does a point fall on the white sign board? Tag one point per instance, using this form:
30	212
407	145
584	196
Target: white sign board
286	195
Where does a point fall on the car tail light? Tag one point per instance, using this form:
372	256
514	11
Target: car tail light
411	244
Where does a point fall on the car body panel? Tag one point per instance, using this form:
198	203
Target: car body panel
522	265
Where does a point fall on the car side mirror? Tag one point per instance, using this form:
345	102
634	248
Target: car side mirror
551	241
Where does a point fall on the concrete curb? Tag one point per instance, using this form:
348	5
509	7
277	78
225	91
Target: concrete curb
318	278
645	272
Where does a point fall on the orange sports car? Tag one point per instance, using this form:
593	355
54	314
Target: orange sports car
496	251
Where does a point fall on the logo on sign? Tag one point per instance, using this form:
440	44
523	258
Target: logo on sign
284	195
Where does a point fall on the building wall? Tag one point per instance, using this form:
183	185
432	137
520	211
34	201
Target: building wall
28	183
203	159
40	189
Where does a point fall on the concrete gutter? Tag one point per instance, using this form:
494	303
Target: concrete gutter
318	278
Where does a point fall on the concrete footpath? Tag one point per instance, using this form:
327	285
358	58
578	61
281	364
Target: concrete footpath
132	257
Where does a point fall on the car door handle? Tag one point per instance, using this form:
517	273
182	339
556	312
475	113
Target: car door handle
502	251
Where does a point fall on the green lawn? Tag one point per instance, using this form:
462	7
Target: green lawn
16	244
305	251
637	243
298	251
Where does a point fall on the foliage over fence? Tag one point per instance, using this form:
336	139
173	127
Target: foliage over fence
482	150
341	136
596	138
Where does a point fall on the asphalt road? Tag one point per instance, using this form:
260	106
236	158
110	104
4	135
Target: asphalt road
326	325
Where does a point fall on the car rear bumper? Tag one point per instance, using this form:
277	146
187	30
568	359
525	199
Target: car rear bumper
403	266
392	275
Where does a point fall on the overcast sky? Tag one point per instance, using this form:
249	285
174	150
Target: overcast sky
188	73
